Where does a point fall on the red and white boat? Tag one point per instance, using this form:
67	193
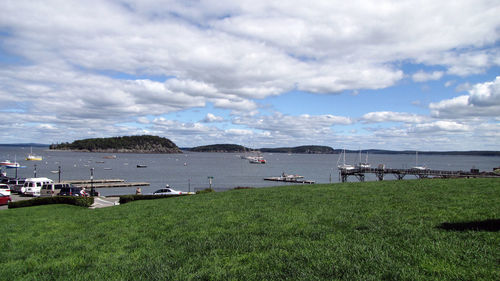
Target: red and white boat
7	163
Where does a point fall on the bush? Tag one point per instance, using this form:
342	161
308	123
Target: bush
72	200
129	198
242	187
206	190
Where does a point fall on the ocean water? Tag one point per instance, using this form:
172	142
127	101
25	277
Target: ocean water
190	171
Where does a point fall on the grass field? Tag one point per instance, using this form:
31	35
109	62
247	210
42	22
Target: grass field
354	231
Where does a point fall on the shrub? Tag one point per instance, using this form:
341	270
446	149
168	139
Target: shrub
72	200
206	190
129	198
242	187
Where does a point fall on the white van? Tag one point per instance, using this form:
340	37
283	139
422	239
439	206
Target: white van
32	186
53	189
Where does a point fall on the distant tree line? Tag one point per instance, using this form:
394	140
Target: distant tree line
140	144
312	149
220	148
308	149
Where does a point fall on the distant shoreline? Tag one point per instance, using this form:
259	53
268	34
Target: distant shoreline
335	151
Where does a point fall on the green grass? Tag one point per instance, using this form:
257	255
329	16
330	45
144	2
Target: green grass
354	231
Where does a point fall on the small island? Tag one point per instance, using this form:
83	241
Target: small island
125	144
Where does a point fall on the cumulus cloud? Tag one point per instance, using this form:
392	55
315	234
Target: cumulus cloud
422	76
439	127
210	118
89	67
388	116
302	126
483	100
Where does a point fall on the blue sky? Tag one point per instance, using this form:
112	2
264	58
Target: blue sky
397	75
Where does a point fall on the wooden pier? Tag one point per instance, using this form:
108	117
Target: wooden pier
399	174
290	180
105	183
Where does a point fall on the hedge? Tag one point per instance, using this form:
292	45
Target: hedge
72	200
129	198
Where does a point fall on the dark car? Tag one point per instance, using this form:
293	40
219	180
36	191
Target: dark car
72	191
4	199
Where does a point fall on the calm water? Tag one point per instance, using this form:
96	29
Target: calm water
190	171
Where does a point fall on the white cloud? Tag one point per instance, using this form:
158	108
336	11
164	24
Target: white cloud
439	127
88	67
388	116
210	118
422	76
483	101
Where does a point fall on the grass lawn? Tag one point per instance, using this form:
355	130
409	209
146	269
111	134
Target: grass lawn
354	231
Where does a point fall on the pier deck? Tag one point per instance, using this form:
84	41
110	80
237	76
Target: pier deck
359	173
291	180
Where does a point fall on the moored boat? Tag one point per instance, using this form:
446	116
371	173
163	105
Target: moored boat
33	157
344	166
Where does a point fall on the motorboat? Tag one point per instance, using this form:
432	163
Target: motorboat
256	160
7	163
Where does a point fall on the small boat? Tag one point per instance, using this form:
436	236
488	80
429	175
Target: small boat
257	160
14	165
344	166
108	169
363	165
100	162
417	167
7	163
33	157
142	166
290	178
109	157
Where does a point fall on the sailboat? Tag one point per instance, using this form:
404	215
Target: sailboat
344	166
33	157
363	165
417	167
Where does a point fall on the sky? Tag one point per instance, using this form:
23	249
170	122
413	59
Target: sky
398	75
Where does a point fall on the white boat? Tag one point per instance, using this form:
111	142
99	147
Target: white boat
33	157
417	167
290	178
14	165
344	166
256	160
7	163
363	165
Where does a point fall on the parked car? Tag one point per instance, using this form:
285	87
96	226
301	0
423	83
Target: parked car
72	191
4	189
168	191
53	189
32	186
16	185
4	199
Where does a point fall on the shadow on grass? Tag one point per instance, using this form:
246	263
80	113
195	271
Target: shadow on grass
486	225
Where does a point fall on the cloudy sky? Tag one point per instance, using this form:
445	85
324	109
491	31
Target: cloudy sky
356	74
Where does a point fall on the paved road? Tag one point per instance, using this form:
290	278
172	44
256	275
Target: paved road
99	202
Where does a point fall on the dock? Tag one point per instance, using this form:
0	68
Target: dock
105	183
290	180
399	174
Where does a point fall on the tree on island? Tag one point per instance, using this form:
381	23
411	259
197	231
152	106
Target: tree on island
138	144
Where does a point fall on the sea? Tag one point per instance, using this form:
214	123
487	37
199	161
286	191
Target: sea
192	171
